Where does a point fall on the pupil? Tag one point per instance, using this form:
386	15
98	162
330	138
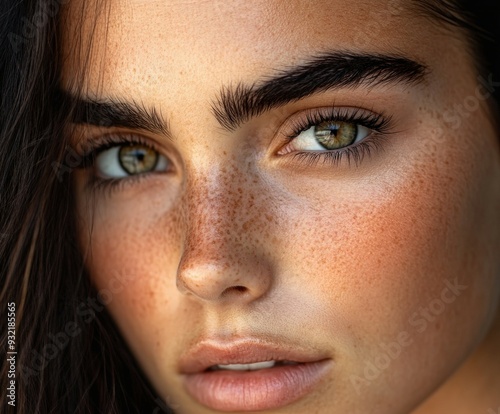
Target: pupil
136	159
327	130
335	135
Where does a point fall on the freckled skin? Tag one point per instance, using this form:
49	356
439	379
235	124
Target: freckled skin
237	241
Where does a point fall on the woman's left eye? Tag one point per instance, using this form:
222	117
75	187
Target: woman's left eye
131	159
330	135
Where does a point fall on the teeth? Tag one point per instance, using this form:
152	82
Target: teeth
247	367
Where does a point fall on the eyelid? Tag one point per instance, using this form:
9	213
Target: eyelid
91	148
303	120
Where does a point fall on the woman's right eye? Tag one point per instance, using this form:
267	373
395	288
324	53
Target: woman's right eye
122	161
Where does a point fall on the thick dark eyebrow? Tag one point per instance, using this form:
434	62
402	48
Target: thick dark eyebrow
113	113
237	104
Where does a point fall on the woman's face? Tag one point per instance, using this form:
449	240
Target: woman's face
312	199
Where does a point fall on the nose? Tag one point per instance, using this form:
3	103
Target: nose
223	257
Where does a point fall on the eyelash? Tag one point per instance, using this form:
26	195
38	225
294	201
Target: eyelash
378	123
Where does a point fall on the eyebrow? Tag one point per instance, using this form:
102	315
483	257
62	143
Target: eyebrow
113	112
236	105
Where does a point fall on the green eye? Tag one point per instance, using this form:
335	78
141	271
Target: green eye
137	159
335	135
121	161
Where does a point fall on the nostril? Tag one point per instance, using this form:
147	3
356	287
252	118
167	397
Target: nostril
234	289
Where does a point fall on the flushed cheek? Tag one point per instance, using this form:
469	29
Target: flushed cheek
405	266
147	309
133	247
368	263
140	256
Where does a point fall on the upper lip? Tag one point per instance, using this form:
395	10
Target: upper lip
210	352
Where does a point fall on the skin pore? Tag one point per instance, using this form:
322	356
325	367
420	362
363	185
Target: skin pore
238	238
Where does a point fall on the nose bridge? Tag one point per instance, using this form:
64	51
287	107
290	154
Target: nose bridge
221	250
213	203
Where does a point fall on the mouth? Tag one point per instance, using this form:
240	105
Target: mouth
251	367
251	375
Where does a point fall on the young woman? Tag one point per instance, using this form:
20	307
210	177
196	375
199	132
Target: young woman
273	206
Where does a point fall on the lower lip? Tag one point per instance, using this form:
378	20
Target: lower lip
255	390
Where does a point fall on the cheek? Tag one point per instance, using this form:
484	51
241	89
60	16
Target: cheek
411	263
133	245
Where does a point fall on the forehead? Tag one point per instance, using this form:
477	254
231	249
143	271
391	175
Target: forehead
141	46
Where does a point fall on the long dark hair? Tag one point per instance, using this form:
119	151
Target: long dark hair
67	362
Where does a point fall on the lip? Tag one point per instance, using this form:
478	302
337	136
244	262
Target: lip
263	389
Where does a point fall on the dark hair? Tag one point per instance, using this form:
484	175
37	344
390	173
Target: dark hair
65	363
479	21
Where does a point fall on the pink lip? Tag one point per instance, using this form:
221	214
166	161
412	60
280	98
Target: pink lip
264	389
